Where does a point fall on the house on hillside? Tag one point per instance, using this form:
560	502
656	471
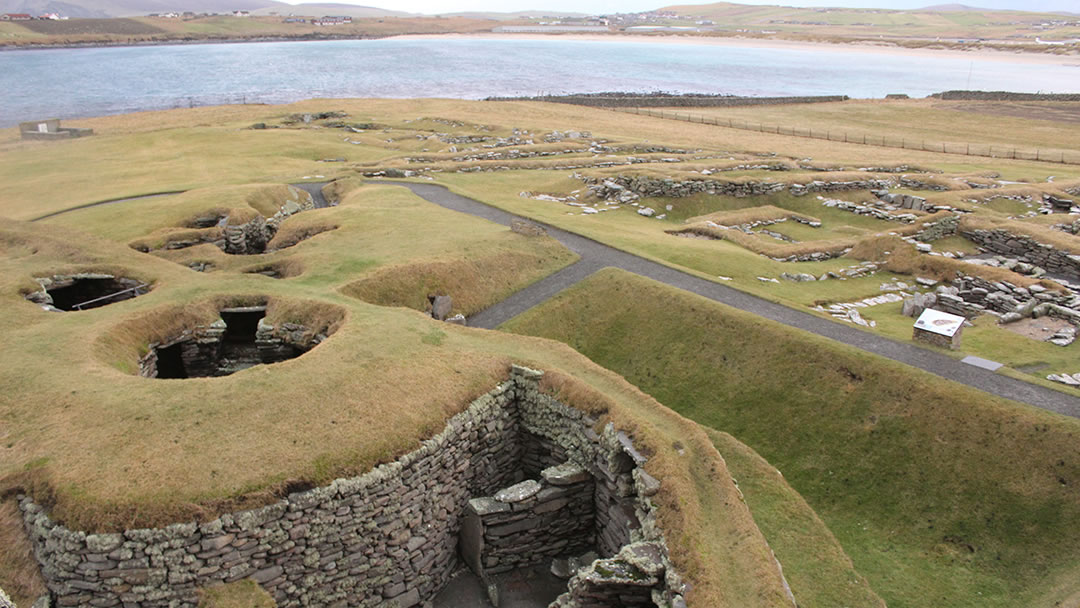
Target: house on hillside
15	17
331	20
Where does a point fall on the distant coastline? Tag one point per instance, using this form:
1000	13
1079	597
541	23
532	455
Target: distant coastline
1020	54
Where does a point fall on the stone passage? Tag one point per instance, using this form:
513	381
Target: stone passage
390	537
240	339
85	291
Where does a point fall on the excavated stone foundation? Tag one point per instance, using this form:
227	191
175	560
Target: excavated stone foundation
85	291
240	339
517	480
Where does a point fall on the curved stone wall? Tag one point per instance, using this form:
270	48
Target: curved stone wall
388	537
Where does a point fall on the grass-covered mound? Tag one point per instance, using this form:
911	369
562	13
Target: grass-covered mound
105	449
941	494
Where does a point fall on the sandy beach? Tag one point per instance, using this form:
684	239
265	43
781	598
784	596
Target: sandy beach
883	48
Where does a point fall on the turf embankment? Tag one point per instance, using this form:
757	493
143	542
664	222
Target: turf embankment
942	495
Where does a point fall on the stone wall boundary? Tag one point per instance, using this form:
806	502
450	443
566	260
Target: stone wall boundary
672	101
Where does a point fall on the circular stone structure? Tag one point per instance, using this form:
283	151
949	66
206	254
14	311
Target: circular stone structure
85	291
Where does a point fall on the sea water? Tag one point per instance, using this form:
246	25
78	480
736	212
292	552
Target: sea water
70	83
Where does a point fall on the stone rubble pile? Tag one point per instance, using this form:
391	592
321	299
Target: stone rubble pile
971	296
1008	263
1027	249
868	209
937	230
1068	379
849	311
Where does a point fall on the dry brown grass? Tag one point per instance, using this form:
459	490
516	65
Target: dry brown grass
285	269
901	258
241	594
164	237
474	283
19	575
299	229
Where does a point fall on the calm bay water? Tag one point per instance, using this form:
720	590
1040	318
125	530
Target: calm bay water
70	83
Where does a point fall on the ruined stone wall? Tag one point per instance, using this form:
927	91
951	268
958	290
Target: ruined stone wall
670	101
628	188
943	228
1028	249
390	535
531	522
1004	96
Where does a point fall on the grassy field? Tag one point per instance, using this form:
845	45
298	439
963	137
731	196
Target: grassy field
862	441
815	565
971	23
1046	125
106	449
919	479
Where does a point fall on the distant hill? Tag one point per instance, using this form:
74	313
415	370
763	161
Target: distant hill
331	8
949	8
539	13
132	8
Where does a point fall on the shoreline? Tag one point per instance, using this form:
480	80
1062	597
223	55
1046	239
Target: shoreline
775	43
884	48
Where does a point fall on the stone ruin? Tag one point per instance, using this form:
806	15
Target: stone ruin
84	291
518	478
239	339
248	238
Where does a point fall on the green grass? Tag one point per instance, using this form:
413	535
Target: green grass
940	494
815	565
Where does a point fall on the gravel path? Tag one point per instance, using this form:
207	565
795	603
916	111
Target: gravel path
596	255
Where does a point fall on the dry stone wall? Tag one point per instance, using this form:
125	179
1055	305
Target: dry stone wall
1028	249
385	538
531	522
629	188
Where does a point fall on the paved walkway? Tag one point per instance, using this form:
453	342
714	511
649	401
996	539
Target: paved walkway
596	255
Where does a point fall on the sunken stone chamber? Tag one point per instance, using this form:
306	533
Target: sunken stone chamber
390	537
240	339
85	291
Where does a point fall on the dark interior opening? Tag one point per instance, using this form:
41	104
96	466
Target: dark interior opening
84	294
241	325
238	349
217	350
170	362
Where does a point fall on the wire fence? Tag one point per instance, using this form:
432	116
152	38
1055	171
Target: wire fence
1068	157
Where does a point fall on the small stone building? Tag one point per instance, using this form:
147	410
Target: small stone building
939	328
50	129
